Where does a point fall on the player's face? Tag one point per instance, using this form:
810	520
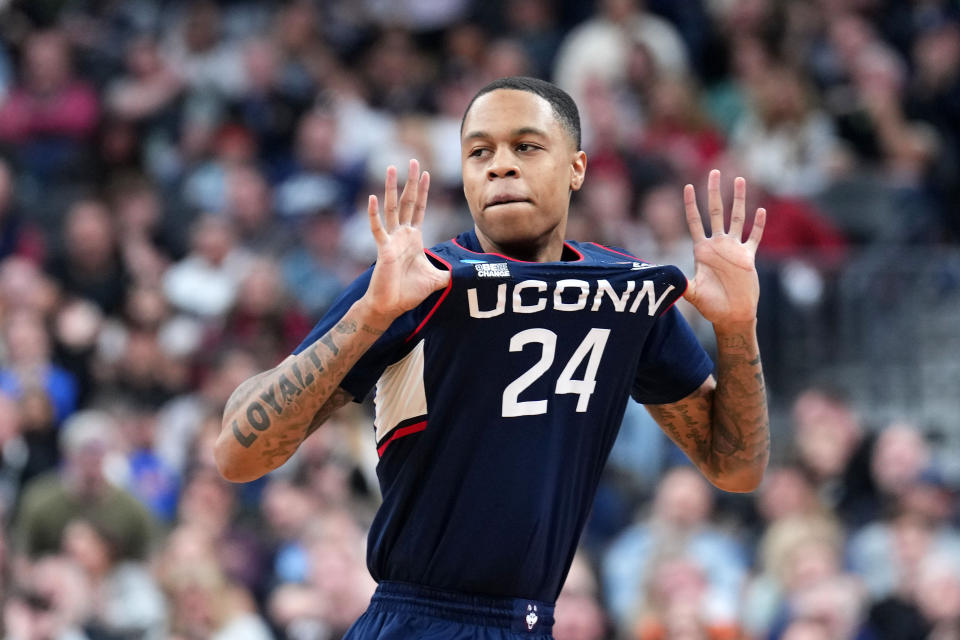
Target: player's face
519	167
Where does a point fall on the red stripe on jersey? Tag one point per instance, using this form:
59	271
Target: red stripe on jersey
401	432
619	253
442	296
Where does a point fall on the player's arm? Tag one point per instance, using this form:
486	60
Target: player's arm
723	426
270	414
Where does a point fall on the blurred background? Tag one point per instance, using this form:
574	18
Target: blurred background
182	194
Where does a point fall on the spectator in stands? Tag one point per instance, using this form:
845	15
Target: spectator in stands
679	130
250	209
53	602
938	594
315	270
147	93
274	101
838	603
796	553
678	603
597	48
82	489
679	525
125	599
337	568
24	286
579	614
50	115
205	282
288	509
785	143
318	180
785	492
29	367
831	448
207	62
265	321
89	264
209	504
146	232
204	602
533	24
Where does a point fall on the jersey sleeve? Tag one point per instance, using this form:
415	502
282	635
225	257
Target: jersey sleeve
673	364
388	348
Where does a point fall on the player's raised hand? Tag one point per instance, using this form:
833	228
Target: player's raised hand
403	276
725	287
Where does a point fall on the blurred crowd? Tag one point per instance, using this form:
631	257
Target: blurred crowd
182	191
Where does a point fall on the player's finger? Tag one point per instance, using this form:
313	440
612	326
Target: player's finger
421	205
376	227
738	212
408	197
693	213
759	222
715	204
390	199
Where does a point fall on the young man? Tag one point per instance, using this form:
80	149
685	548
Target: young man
502	361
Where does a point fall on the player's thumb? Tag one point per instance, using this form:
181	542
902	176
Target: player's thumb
441	279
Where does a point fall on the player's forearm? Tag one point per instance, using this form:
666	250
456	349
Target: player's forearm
740	426
269	415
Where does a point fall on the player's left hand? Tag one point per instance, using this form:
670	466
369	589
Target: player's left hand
725	287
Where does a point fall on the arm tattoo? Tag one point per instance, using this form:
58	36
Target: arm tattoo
740	437
273	412
724	430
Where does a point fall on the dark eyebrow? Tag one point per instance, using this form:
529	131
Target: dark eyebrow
476	134
516	133
526	131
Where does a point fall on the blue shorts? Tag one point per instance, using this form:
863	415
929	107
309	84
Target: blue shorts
402	611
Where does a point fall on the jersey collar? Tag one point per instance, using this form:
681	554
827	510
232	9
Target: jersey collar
468	240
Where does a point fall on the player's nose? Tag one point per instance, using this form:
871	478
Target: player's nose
502	165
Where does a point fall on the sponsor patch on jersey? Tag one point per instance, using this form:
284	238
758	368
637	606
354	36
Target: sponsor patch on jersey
472	261
641	265
492	270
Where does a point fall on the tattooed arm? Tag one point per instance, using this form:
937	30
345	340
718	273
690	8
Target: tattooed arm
269	415
723	426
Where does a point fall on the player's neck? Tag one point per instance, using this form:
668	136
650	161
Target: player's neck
546	249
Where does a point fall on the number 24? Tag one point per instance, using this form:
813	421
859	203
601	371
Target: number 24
592	346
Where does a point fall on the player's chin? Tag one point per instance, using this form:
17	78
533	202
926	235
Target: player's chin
505	231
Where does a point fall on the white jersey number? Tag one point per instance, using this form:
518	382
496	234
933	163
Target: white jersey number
591	347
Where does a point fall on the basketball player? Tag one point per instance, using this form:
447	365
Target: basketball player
502	361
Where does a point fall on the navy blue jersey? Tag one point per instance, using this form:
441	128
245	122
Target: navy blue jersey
497	402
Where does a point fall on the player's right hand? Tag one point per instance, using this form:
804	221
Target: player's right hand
403	276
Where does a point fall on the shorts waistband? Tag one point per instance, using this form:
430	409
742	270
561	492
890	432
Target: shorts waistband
518	614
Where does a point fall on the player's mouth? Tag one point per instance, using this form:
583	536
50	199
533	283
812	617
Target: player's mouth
502	199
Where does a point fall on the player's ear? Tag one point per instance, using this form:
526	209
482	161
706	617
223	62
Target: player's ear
578	170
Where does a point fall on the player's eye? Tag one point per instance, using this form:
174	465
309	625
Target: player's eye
477	153
524	147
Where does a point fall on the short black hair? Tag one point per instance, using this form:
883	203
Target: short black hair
564	108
